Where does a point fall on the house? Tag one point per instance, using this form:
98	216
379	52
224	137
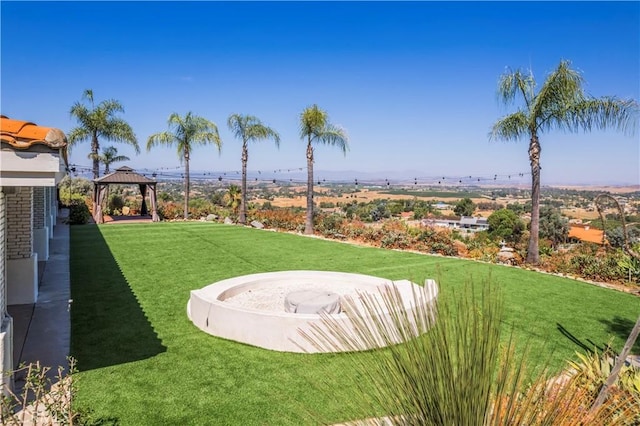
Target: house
33	161
470	224
474	223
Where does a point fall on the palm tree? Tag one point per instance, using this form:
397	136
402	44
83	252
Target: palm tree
248	128
559	104
100	122
186	132
315	128
109	156
233	198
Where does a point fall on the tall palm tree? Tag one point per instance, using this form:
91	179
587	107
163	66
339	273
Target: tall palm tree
315	128
100	122
248	128
185	132
559	104
109	156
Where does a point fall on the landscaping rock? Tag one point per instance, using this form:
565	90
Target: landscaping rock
228	221
257	224
211	218
506	255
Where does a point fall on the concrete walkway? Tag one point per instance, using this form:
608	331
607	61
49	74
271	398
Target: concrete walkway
42	331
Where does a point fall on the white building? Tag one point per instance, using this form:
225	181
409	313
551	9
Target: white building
32	162
471	224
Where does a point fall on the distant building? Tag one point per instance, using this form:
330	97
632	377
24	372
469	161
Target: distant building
468	223
474	223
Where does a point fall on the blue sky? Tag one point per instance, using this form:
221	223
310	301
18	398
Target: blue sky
414	84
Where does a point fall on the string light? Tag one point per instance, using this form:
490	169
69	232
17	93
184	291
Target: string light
173	173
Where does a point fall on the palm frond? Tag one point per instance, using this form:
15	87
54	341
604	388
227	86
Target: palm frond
513	82
600	113
78	134
185	132
511	127
207	137
118	130
162	138
312	121
80	113
335	136
119	158
238	123
88	95
562	88
110	107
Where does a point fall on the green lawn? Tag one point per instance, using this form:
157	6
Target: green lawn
142	362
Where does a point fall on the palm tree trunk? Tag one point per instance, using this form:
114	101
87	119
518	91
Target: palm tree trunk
308	226
243	194
95	147
533	255
186	182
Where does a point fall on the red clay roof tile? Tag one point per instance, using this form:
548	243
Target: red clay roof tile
24	134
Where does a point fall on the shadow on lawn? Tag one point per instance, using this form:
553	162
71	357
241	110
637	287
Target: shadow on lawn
621	327
587	346
108	326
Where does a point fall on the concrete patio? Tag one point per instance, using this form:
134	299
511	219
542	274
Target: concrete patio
42	330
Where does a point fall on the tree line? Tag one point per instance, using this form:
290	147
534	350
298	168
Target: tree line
560	103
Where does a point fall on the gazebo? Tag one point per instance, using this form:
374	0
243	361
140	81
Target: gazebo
124	176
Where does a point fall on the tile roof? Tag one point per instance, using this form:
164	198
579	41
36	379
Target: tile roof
23	134
588	234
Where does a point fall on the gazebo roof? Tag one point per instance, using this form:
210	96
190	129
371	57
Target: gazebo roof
124	175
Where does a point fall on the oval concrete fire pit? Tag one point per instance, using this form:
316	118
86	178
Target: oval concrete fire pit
252	308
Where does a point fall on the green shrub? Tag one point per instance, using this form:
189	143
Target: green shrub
329	225
286	219
598	268
170	210
114	203
592	371
78	213
394	239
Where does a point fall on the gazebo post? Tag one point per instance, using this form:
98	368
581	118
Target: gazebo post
95	201
143	207
154	203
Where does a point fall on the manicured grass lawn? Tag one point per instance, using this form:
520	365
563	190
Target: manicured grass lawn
142	362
